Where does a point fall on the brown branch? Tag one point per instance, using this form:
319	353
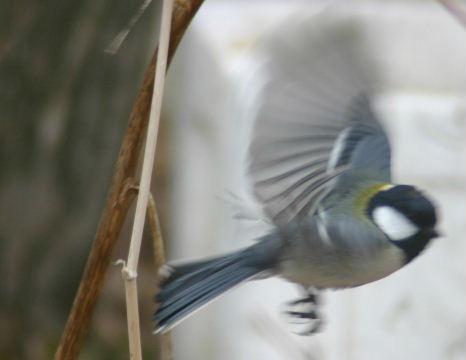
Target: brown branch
455	10
119	198
159	260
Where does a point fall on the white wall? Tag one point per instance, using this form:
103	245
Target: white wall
417	313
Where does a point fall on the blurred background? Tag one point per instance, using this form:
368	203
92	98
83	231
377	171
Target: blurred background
64	107
65	103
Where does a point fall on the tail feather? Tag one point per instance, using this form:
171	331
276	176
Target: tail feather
180	276
190	286
203	286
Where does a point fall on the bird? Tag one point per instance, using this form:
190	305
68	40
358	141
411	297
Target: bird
319	163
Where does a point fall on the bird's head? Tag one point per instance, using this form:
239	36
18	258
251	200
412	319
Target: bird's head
405	215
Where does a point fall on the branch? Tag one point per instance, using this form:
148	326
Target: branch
455	10
120	197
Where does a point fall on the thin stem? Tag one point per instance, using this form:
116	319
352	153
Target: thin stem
132	313
114	46
151	141
129	272
159	261
156	233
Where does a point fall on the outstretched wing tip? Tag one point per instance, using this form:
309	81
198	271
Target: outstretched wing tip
315	112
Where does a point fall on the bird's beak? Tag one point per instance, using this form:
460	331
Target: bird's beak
432	233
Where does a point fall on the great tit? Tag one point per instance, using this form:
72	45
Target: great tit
319	163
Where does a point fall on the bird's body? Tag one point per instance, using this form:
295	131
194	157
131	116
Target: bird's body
329	259
319	162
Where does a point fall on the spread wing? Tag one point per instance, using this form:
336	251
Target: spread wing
315	120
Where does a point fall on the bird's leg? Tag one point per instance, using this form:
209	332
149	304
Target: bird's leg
304	312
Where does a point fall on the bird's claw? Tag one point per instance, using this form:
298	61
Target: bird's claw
304	313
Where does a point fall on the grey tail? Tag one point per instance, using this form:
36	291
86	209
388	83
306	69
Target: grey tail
189	286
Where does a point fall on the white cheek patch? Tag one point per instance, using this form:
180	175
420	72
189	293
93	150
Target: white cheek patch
393	223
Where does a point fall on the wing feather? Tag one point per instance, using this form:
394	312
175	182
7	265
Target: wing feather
315	120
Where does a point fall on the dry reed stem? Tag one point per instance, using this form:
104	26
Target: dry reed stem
129	272
151	142
132	313
159	261
119	198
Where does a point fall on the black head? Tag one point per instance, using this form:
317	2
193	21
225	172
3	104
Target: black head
406	216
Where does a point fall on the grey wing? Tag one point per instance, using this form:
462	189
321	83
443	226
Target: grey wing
315	119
